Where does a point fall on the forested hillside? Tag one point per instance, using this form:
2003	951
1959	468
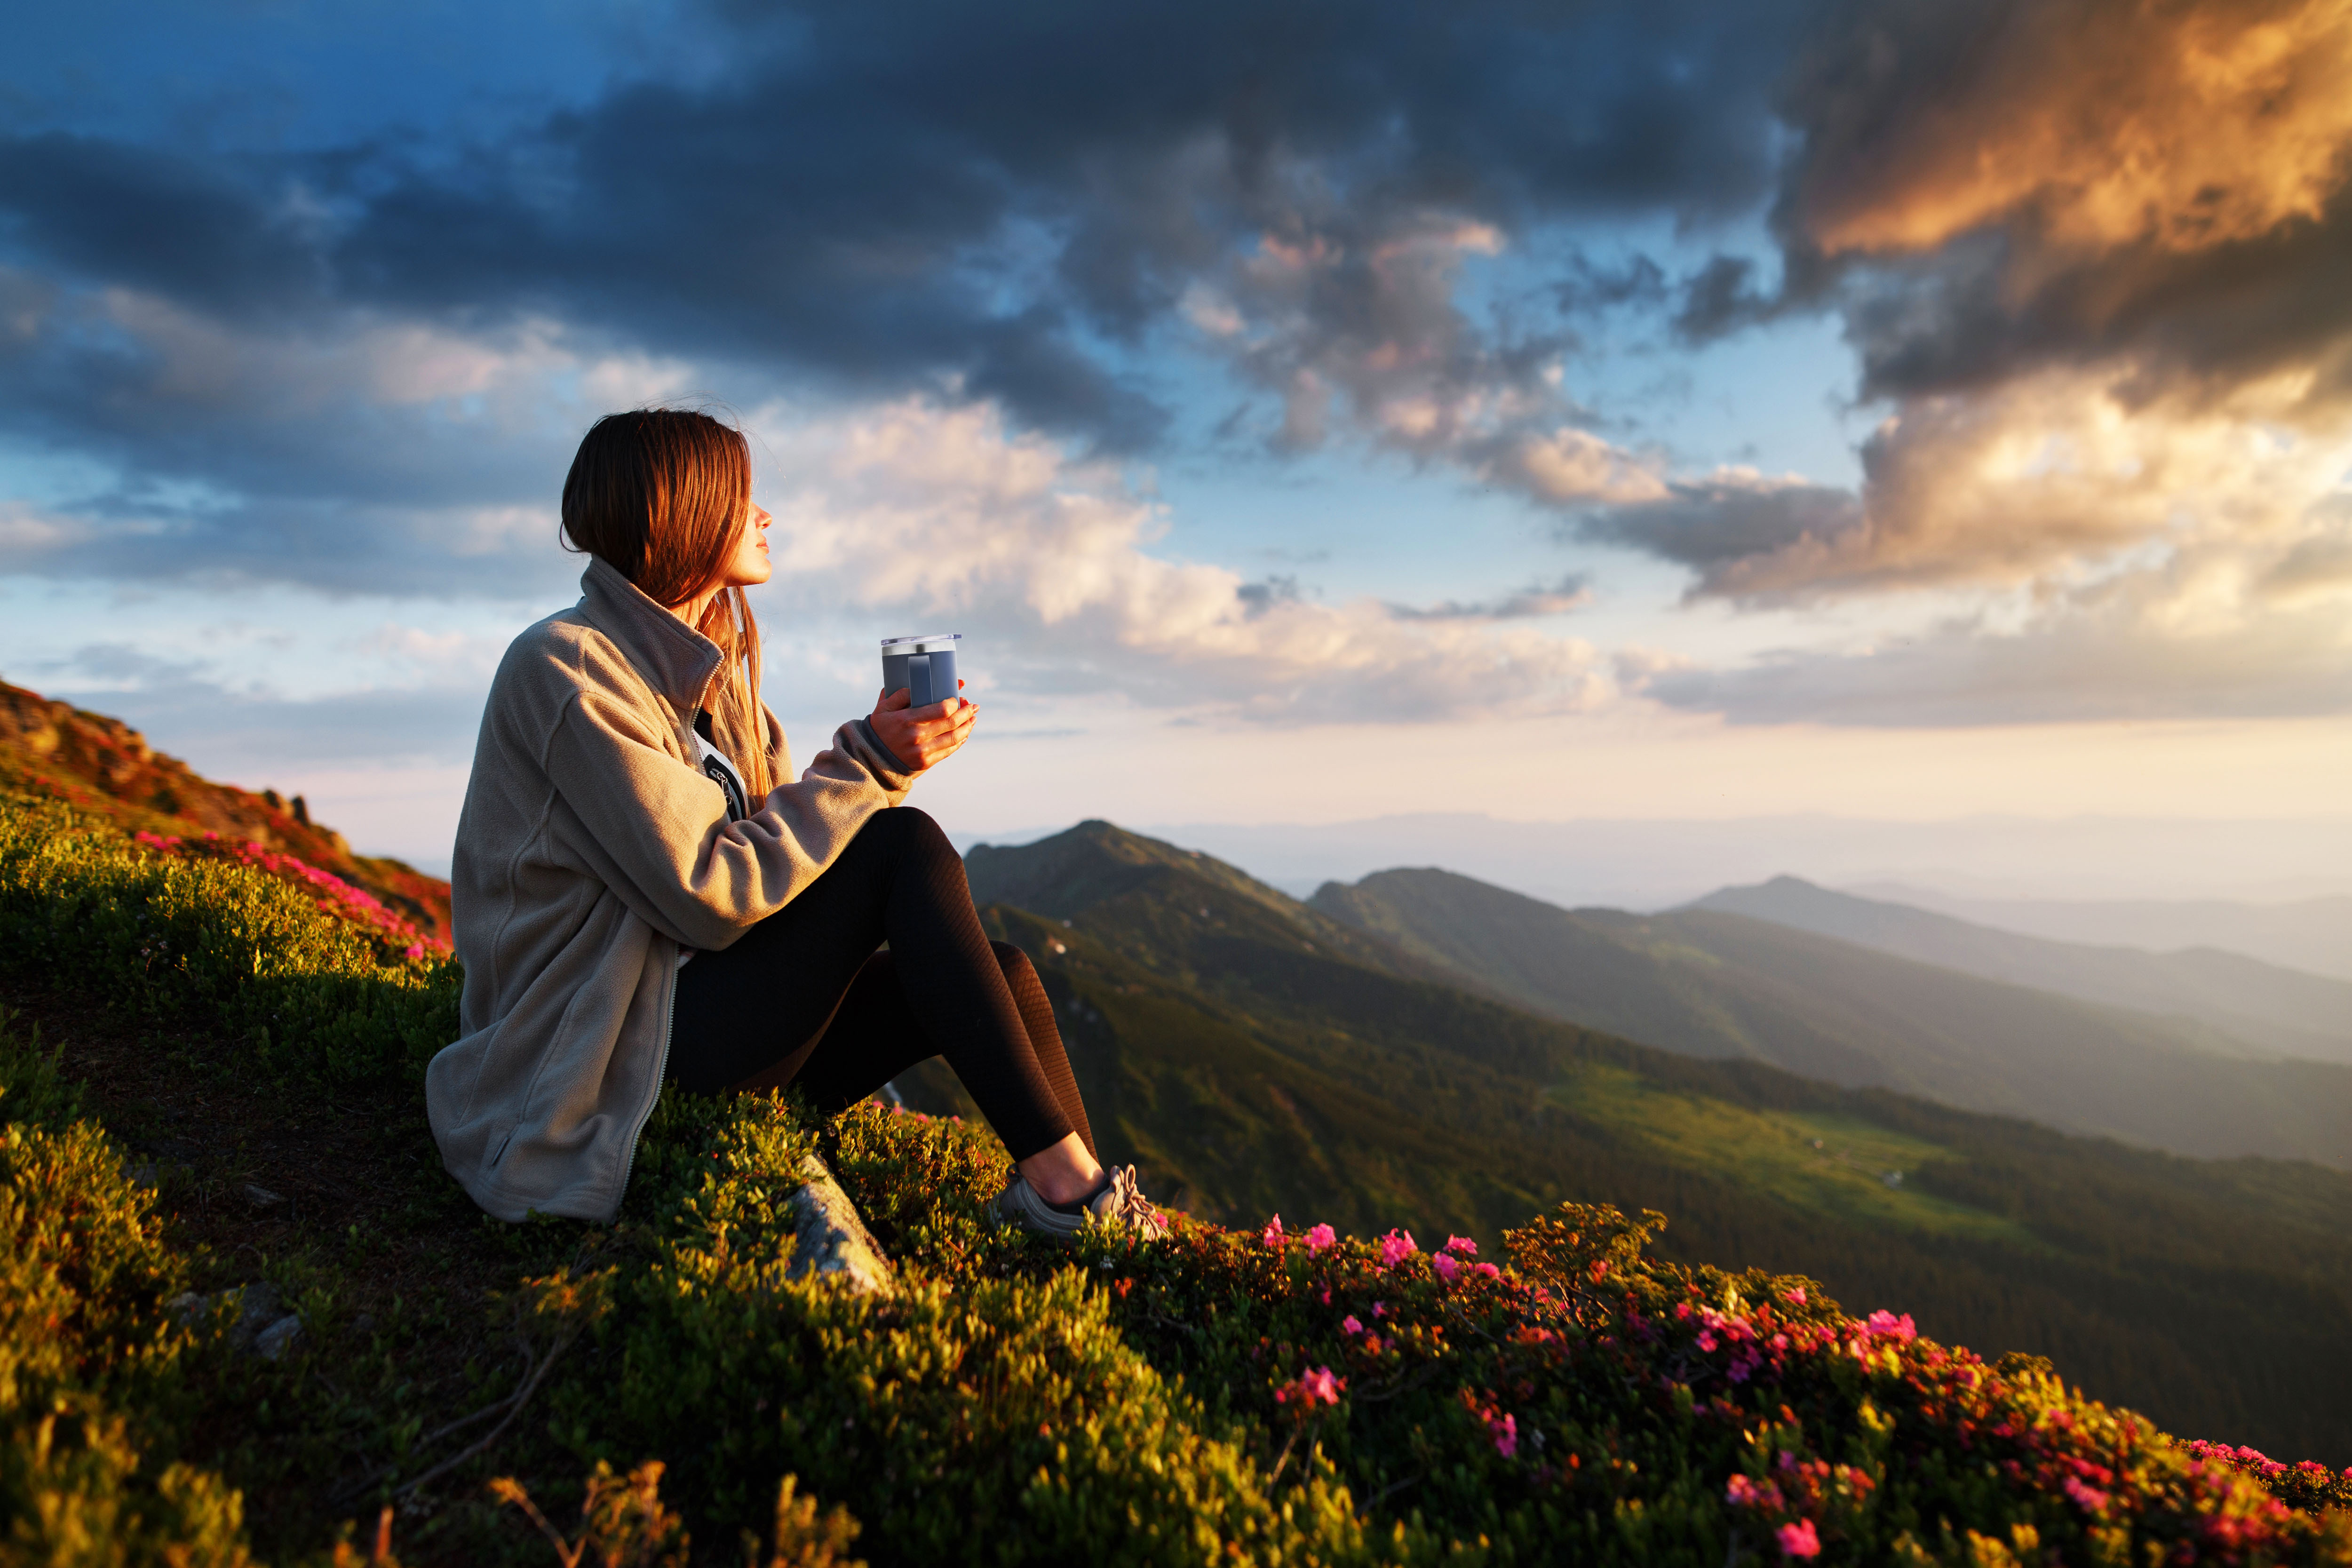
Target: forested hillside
1719	985
1253	1068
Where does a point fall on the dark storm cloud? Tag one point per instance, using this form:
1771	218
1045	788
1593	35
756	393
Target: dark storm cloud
894	190
1985	189
199	231
2071	225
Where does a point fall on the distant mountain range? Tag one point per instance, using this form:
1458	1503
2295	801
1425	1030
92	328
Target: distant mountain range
1714	983
2313	934
1254	1054
2283	1010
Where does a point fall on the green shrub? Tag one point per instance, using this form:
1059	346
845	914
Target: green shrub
85	1274
211	943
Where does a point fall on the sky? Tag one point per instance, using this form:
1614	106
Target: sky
1869	410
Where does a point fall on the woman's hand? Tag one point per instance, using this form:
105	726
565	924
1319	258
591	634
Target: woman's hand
922	737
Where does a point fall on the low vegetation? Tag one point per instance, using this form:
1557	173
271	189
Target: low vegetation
1221	1033
662	1389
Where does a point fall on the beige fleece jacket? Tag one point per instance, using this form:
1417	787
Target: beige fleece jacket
591	850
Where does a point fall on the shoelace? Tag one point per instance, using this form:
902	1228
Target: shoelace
1131	1205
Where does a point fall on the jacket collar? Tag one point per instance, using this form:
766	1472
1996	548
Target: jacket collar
675	661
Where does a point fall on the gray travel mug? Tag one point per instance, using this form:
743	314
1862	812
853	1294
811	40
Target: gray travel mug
925	666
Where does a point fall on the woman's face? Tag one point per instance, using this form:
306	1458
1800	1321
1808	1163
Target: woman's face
750	566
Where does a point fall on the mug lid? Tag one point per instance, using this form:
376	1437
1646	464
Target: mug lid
928	643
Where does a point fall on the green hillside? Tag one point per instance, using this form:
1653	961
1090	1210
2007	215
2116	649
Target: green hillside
2284	1011
1719	984
245	1318
1253	1070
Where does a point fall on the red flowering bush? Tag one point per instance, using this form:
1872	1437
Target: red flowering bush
393	936
1594	1394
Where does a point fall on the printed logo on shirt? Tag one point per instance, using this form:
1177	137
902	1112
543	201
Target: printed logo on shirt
720	774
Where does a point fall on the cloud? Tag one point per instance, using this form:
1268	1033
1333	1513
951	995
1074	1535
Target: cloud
1990	190
908	197
916	511
1571	592
2039	481
185	707
365	454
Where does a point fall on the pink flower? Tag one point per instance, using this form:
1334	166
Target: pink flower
1322	1236
1506	1431
2090	1499
1742	1493
1351	1325
1446	1267
1380	1309
1310	1388
1886	1325
1461	1244
1489	1270
1395	1248
1273	1235
1795	1298
1798	1539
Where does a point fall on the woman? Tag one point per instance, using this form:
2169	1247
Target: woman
638	897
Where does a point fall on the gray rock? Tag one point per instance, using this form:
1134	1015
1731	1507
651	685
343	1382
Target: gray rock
258	1307
833	1241
262	1323
261	1197
274	1341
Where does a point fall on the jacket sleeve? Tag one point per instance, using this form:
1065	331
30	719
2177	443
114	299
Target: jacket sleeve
657	829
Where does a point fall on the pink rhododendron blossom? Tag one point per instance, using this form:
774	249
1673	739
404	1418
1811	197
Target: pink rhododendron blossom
1506	1431
1351	1325
1461	1244
1489	1270
1380	1309
1311	1388
1396	1246
1798	1539
1796	1297
1322	1236
1273	1235
1445	1266
1886	1325
2089	1499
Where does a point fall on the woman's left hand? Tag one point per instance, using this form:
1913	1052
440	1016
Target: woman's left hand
924	737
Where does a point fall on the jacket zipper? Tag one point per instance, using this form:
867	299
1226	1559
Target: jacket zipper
661	1070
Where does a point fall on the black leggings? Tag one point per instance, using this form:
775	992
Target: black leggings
802	999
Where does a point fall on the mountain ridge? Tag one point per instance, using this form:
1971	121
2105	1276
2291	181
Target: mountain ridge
1250	1069
2286	1010
1721	984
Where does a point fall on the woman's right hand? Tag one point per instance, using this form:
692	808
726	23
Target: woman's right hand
923	737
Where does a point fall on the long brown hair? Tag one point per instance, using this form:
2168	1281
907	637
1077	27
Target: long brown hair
662	495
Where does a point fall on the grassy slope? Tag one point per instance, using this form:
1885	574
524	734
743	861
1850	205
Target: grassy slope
1719	984
1194	1035
1001	1405
105	769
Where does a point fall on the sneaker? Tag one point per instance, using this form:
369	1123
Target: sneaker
1117	1205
